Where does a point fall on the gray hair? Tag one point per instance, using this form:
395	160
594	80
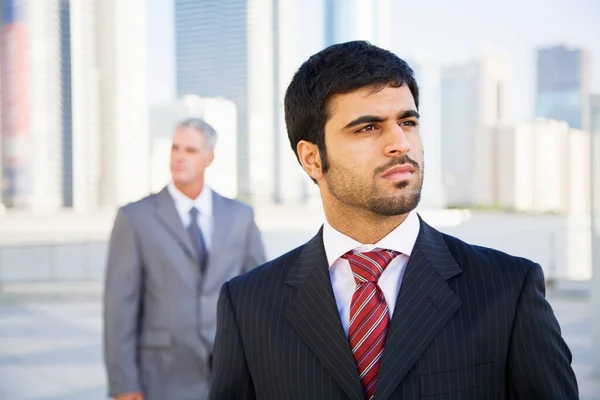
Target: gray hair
203	127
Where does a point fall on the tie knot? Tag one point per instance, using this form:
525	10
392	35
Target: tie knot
194	213
368	266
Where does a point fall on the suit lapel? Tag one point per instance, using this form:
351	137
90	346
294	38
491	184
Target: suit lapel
313	314
222	224
170	219
425	304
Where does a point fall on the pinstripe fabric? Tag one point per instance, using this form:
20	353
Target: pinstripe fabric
469	323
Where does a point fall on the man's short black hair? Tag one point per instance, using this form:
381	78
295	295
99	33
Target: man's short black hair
338	69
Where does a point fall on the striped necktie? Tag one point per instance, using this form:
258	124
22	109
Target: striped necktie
369	317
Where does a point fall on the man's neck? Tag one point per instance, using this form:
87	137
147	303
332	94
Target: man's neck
191	191
363	226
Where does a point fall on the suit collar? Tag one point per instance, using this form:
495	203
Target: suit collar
402	239
430	242
183	204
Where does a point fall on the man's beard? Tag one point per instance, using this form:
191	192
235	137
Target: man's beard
345	188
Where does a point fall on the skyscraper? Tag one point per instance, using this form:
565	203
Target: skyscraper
290	50
595	223
537	166
225	49
563	85
428	78
73	103
66	103
473	96
31	104
595	114
85	109
123	112
347	20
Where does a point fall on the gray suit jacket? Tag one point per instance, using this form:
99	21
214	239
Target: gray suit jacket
159	310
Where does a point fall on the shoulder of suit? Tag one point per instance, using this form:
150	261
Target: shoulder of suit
274	270
485	256
139	206
233	203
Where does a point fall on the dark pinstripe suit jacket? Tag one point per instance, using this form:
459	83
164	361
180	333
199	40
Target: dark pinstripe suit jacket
469	323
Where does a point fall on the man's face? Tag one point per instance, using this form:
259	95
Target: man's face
190	156
374	150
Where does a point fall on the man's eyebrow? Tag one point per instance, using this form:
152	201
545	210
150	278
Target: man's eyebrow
409	114
363	119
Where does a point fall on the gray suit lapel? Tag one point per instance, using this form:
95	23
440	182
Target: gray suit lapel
222	224
223	220
167	215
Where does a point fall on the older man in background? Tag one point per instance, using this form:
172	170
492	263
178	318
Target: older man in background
169	255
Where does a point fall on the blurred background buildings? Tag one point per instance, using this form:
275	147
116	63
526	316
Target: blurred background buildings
90	91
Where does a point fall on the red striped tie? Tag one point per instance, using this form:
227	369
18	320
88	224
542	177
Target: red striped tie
369	317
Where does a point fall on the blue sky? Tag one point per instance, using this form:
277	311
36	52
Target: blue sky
440	30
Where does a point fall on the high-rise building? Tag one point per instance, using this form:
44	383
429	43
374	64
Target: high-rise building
66	103
73	103
428	78
225	49
472	96
595	221
595	114
290	50
2	106
123	113
246	51
347	20
31	104
85	109
540	166
105	131
221	115
563	85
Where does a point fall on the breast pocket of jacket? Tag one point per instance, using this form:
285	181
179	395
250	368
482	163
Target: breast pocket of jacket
440	383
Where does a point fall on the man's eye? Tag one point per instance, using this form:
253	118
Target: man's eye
408	123
367	128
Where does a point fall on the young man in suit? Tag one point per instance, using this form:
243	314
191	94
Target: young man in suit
379	304
169	255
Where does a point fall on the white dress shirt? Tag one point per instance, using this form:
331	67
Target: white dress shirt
402	239
203	203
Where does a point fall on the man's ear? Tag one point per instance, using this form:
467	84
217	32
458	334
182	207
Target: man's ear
310	158
211	157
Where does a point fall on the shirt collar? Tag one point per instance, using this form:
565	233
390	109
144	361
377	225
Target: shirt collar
402	239
203	202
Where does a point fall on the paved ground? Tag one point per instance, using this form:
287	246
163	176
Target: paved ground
50	348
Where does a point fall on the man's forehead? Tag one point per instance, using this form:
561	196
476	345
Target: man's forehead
366	101
187	132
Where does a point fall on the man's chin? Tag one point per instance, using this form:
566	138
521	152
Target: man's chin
181	182
395	205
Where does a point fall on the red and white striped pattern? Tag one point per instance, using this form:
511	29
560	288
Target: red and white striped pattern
369	317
